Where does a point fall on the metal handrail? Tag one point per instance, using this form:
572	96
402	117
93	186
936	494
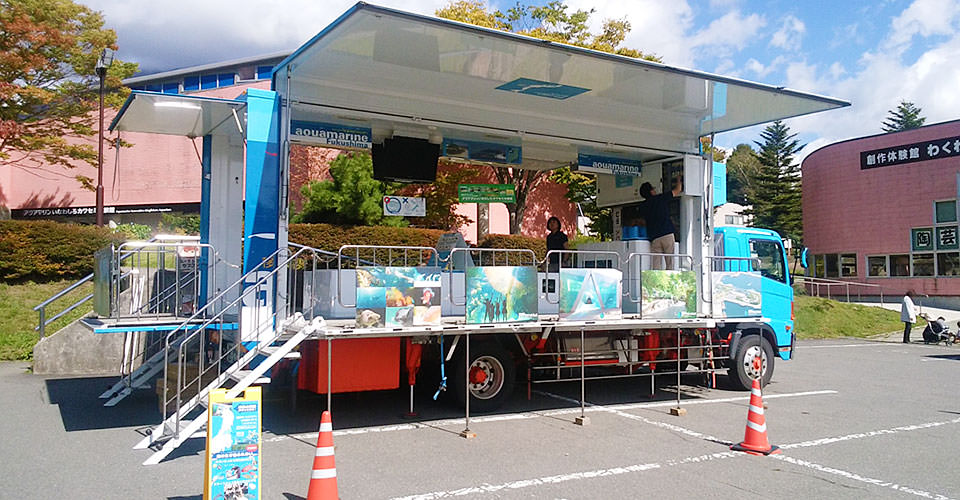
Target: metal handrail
828	283
450	258
560	253
340	255
641	255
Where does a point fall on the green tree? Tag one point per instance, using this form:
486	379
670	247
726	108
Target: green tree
775	194
351	197
905	117
550	22
48	84
742	168
582	189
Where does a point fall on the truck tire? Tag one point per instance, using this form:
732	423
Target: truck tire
754	356
492	373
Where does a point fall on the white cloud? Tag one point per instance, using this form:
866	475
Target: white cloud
924	18
790	34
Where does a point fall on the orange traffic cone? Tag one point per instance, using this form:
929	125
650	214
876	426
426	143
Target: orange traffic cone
323	480
755	438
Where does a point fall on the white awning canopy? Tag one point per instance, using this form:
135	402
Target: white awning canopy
182	115
406	74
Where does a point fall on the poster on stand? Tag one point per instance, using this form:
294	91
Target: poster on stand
668	294
590	294
232	466
737	294
501	294
398	296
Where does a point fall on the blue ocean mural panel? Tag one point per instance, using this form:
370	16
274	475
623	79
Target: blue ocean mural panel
501	294
590	294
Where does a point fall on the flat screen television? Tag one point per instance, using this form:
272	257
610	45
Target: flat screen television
405	159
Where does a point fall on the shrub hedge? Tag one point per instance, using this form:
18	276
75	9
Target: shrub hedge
539	246
45	250
330	237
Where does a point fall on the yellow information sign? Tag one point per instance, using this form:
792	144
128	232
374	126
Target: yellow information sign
232	467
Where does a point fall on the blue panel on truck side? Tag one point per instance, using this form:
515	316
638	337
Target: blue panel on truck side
262	205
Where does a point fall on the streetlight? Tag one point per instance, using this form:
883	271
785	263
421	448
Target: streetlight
106	59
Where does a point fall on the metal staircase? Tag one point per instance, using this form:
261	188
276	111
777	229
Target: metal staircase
225	343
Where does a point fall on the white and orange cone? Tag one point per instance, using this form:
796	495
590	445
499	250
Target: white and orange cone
755	438
323	480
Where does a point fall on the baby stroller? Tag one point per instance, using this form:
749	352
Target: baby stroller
937	331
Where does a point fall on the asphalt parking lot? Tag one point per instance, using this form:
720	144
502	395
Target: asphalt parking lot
855	419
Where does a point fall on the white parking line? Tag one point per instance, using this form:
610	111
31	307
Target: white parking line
866	344
541	481
857	477
454	422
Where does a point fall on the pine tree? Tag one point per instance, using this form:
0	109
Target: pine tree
905	117
775	191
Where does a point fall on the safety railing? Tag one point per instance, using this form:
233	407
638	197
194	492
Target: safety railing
373	255
490	257
722	263
635	265
558	260
815	286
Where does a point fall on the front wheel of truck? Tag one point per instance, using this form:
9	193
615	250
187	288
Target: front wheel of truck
753	359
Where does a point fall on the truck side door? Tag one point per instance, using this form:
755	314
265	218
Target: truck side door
775	286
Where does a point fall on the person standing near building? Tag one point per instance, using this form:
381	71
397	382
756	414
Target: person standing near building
908	314
656	211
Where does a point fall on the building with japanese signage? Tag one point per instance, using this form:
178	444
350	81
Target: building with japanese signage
883	210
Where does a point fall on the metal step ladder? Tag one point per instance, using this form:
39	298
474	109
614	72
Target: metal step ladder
244	378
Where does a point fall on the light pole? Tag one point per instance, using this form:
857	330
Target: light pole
106	59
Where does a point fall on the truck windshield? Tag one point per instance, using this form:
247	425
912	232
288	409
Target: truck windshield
771	259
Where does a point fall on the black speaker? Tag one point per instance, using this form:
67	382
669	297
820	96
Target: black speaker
405	159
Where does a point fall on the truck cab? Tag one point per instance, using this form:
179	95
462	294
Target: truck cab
765	250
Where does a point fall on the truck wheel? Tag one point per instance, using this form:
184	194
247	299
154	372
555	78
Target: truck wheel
492	376
754	357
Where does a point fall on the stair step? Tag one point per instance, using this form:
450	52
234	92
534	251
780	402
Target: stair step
272	349
238	375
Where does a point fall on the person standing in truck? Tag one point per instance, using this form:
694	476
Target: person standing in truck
908	314
660	230
556	240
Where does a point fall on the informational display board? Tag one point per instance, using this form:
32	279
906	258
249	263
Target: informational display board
398	296
510	154
404	206
486	193
501	294
737	294
590	294
332	135
588	161
232	466
668	294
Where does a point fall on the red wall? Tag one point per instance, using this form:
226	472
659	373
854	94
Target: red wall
871	212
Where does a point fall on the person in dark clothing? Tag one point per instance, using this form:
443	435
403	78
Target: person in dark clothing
556	240
660	230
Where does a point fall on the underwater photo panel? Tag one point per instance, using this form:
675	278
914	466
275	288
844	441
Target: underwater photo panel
501	294
387	296
668	294
590	294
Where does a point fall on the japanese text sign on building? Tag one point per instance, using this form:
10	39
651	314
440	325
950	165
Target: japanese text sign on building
947	238
233	446
921	239
487	193
909	153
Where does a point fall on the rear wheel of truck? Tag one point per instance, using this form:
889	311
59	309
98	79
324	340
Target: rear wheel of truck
492	376
754	358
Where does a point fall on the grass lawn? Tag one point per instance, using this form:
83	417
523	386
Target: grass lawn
18	319
819	318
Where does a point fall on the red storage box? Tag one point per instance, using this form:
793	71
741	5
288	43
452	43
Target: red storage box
358	365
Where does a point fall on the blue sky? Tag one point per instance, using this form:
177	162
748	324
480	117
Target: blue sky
872	53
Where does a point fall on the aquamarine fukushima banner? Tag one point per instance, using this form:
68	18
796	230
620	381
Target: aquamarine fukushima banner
590	294
737	294
668	294
398	296
501	294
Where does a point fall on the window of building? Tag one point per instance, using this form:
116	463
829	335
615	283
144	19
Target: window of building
899	265
263	72
948	264
833	267
191	83
848	264
171	88
945	211
923	264
153	87
208	82
877	266
226	79
818	266
770	254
